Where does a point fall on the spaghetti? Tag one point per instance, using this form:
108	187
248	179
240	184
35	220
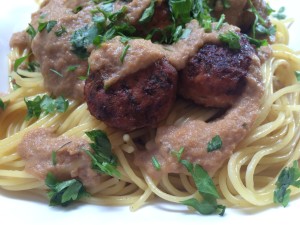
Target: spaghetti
247	179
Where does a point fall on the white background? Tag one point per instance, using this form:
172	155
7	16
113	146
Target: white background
30	209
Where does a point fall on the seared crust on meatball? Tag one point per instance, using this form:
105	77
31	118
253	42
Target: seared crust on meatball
138	100
216	75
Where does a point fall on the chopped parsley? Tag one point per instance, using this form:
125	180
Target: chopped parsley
72	68
220	22
289	176
53	158
31	31
103	160
60	31
206	188
258	43
155	163
280	14
77	9
48	25
214	144
232	39
260	27
56	72
19	61
65	192
45	104
3	105
124	52
178	154
148	13
81	38
297	74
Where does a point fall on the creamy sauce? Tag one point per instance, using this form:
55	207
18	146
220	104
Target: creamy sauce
194	135
72	162
55	53
143	53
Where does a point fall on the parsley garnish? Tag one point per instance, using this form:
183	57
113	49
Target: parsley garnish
124	52
232	39
297	74
60	31
280	14
148	13
45	104
3	105
56	72
81	38
77	9
46	25
53	158
289	176
258	43
260	26
72	68
65	192
206	188
19	61
155	163
220	22
214	144
31	31
178	154
103	160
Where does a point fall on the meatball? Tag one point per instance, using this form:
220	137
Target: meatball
160	20
216	75
138	100
239	14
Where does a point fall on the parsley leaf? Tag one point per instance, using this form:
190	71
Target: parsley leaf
297	74
288	177
48	25
56	72
72	68
65	192
60	31
280	14
103	160
77	9
178	154
181	10
148	13
3	105
155	163
232	39
206	188
19	61
53	158
214	144
31	31
124	52
45	104
81	38
258	43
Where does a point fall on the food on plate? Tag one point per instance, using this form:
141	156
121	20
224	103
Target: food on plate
116	102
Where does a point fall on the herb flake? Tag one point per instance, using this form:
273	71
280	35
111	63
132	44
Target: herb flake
65	192
232	39
214	144
289	176
103	160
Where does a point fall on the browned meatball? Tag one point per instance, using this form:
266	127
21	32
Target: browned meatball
239	14
138	100
216	75
160	20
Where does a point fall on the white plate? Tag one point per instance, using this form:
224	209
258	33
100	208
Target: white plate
30	209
